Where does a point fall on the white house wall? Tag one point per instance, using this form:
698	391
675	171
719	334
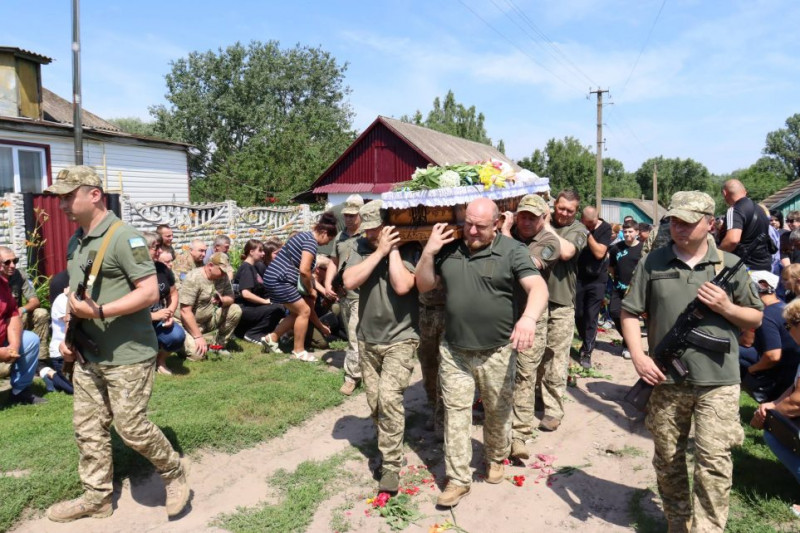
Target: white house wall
144	173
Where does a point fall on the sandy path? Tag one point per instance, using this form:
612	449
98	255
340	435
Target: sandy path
595	432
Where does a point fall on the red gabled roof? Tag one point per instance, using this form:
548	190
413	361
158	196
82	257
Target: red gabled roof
341	188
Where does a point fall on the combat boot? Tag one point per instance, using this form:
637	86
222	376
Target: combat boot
177	492
519	450
79	508
452	495
494	472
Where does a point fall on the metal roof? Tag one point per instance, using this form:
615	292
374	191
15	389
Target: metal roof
26	54
646	206
782	195
57	109
353	188
444	149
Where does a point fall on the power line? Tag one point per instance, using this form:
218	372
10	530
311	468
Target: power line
549	41
512	43
646	41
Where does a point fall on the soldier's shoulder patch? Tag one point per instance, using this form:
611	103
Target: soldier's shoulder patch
580	240
139	248
547	252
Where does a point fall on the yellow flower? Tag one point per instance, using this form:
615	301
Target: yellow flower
252	231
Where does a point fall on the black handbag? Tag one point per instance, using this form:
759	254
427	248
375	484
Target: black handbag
786	430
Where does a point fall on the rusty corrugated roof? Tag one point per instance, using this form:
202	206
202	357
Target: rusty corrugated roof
442	148
57	109
353	188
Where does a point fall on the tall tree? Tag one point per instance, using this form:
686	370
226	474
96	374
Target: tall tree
134	126
568	164
263	120
784	146
453	118
616	182
673	175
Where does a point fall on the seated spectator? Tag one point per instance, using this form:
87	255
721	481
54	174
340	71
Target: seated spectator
222	243
271	248
292	271
34	317
166	257
169	334
58	325
790	278
166	237
187	261
792	223
769	365
207	308
19	350
788	405
259	315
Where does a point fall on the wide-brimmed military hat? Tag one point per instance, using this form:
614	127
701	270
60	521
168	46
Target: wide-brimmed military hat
71	178
533	203
352	205
691	206
371	215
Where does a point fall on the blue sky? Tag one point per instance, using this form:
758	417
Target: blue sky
696	79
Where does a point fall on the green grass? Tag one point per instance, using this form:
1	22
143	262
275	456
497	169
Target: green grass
226	405
643	521
763	489
301	492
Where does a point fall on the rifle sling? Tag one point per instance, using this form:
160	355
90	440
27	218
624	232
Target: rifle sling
98	260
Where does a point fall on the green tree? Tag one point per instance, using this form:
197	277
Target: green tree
134	126
453	118
673	175
263	120
568	164
616	182
501	147
762	178
784	146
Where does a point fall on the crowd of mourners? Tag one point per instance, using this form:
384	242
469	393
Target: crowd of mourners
489	309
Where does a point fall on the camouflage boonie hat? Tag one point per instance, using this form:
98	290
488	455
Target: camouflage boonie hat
352	205
371	215
71	178
533	203
690	206
220	259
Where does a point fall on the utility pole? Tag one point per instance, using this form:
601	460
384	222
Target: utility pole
656	218
599	157
77	115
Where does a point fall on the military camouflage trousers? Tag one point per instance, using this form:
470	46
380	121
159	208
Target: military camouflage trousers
493	372
704	507
352	361
216	327
386	371
431	329
120	393
559	332
528	363
38	321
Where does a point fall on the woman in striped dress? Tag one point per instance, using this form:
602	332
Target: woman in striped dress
291	269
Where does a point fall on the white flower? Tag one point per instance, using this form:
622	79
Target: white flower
449	178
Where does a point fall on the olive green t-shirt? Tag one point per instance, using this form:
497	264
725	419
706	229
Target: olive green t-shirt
121	340
564	275
480	291
343	244
385	317
663	286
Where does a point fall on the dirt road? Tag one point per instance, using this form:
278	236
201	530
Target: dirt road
606	441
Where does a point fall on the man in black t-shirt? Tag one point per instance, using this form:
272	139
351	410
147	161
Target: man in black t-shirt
623	258
592	278
744	223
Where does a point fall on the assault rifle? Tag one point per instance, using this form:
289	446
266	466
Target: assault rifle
75	338
668	352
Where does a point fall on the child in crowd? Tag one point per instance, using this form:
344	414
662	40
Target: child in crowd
53	377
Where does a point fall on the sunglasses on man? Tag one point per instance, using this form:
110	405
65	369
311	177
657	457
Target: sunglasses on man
9	261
